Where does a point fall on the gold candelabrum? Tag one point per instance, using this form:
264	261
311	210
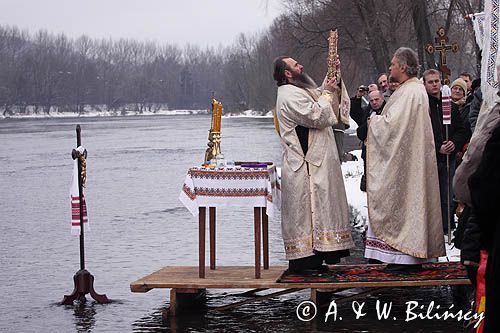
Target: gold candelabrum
332	56
213	150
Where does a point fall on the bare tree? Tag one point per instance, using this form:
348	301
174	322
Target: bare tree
43	70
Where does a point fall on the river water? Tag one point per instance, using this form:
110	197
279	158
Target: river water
136	166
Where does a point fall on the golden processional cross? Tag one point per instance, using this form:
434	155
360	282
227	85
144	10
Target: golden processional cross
442	47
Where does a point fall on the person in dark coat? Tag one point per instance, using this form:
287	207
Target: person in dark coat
483	228
357	107
377	103
457	135
475	106
477	184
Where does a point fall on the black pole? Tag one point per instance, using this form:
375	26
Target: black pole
80	193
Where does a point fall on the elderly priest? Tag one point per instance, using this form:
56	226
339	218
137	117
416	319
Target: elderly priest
402	181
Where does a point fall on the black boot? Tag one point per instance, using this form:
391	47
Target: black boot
402	268
311	265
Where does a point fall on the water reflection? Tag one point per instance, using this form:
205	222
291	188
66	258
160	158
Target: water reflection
156	321
278	314
84	313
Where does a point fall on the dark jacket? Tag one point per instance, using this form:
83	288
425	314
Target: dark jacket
484	187
456	131
475	106
463	111
356	111
362	130
483	228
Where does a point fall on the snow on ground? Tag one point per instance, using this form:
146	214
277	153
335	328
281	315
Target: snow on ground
101	112
249	114
97	113
352	171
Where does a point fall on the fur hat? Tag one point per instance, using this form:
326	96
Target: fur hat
461	83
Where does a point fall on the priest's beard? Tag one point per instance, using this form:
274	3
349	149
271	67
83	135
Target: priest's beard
304	81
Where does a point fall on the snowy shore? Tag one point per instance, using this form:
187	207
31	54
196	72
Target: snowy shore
100	111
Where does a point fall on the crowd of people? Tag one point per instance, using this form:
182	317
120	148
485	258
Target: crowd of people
410	159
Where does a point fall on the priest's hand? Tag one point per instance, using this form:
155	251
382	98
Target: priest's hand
447	148
331	85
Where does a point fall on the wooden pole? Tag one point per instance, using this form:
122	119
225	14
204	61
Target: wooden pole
212	223
257	230
202	213
265	237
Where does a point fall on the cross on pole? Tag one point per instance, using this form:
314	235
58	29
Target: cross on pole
442	47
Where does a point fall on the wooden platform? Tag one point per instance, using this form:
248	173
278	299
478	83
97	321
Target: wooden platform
240	277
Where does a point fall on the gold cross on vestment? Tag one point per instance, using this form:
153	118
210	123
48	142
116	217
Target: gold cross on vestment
442	47
338	238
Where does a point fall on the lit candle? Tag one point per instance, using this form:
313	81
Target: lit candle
214	116
219	114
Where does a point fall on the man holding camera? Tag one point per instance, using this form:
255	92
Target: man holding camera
358	102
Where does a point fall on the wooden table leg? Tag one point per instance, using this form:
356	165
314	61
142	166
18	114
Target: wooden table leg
212	236
265	237
256	220
202	211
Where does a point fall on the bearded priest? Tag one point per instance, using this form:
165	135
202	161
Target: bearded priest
315	218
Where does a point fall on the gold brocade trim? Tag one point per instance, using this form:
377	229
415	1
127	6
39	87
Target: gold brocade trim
276	122
297	247
342	236
328	95
298	244
323	241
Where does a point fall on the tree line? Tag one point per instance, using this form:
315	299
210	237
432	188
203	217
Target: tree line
43	71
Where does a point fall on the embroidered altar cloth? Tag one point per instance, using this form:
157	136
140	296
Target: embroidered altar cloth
231	186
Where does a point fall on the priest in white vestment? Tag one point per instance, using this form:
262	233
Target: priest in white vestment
404	209
315	217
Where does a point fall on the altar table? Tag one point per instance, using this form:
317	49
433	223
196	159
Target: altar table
229	187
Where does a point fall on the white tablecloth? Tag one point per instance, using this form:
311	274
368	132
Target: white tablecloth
231	186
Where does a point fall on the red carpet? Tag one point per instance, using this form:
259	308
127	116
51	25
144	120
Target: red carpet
374	273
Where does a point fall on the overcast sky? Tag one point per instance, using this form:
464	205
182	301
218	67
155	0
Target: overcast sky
200	22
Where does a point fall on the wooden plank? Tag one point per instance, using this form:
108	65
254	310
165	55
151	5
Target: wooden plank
255	299
322	299
228	277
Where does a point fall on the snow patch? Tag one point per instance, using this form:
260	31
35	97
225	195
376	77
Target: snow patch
249	114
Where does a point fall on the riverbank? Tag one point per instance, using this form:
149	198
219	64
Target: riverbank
97	112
